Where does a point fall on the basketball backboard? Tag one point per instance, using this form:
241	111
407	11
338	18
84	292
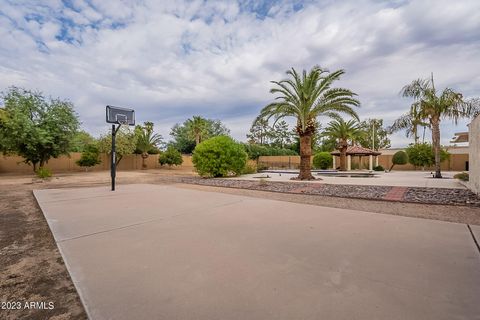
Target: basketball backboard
119	115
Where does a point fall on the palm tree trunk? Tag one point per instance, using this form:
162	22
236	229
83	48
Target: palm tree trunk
436	146
197	139
144	158
343	154
305	156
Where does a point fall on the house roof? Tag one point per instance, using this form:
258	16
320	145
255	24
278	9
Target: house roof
357	151
460	137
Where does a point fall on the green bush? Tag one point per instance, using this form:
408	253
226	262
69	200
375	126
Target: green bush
322	160
171	157
254	151
262	166
400	157
462	176
43	173
249	169
378	168
422	155
219	157
90	156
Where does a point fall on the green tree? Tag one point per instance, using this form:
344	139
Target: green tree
147	141
90	156
170	157
36	128
219	157
260	132
423	155
322	160
80	140
306	97
374	136
345	133
184	137
281	134
125	143
410	122
399	158
433	106
197	129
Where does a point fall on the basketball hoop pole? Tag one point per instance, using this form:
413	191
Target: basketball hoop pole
113	158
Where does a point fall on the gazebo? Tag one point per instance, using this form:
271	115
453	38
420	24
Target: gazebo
357	151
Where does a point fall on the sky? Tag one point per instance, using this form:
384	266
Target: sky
170	60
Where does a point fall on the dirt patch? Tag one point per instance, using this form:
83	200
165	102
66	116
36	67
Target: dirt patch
32	268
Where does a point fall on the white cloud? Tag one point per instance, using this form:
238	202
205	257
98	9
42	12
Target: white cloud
173	59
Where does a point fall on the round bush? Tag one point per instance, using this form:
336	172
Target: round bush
171	157
322	160
219	157
400	157
378	168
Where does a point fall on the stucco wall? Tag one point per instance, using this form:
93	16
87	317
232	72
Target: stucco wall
15	164
474	164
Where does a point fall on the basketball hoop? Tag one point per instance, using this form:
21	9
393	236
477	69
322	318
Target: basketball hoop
119	116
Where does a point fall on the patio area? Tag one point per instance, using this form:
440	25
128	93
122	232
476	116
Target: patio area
380	178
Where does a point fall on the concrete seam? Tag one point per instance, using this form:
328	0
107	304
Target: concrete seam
473	237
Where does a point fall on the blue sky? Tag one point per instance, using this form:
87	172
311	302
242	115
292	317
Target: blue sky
170	60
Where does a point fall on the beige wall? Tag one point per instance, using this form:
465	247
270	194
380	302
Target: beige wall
457	162
14	164
474	143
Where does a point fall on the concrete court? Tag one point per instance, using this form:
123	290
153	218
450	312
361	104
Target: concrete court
163	252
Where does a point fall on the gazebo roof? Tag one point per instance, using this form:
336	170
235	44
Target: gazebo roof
357	151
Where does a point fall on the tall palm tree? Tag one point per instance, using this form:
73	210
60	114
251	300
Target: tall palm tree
197	128
434	106
410	122
146	141
306	97
344	132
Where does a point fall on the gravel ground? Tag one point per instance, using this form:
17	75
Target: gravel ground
443	196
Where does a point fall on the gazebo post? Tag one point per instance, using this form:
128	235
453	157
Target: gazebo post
376	161
349	162
333	162
370	162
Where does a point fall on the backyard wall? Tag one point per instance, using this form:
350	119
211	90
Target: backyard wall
14	164
459	158
474	142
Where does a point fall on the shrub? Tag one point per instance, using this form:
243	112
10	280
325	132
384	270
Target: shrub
400	157
422	155
44	173
219	157
322	160
378	168
171	157
262	166
90	156
462	176
249	169
254	151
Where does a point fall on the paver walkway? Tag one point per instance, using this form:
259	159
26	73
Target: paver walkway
160	252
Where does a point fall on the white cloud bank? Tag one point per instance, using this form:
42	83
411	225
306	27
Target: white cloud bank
173	59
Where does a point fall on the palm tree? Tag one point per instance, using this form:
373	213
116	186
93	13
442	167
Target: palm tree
197	129
434	106
343	132
410	122
146	141
306	97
